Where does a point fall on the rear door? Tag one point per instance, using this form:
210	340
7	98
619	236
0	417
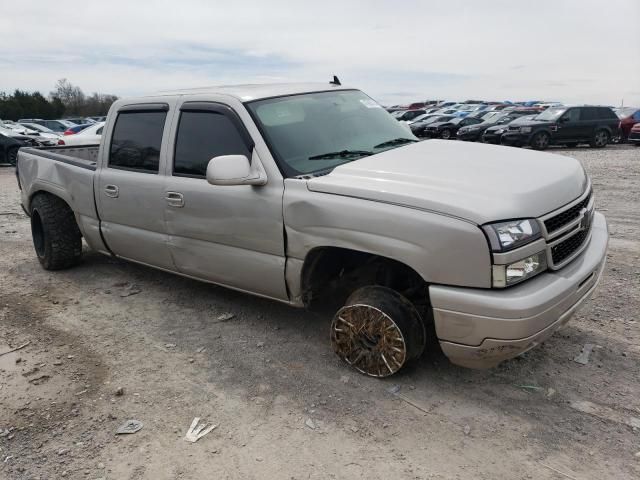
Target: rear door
232	235
130	185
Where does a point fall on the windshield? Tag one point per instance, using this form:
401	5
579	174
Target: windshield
346	122
551	114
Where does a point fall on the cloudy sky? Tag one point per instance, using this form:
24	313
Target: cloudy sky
395	50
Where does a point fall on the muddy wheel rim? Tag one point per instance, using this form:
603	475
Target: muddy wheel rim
369	340
601	139
541	141
446	134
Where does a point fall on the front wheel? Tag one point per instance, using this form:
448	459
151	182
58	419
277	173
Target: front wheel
378	331
445	134
540	141
600	139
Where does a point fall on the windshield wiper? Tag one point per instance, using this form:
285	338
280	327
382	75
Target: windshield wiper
395	141
341	154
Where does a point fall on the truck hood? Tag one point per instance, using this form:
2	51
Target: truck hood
476	182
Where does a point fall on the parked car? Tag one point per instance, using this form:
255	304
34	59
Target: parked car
98	119
287	197
449	128
419	128
75	129
634	135
565	126
54	125
475	132
41	134
409	114
9	147
493	134
629	116
79	120
89	136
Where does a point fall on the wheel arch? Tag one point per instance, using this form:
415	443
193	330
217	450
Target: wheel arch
337	271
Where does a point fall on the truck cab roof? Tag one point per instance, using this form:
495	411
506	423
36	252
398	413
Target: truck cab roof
249	92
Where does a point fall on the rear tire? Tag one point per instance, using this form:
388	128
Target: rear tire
540	141
600	139
56	237
378	331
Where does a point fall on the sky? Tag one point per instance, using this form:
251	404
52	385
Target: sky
398	51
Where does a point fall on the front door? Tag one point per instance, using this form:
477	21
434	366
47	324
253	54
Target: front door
130	187
230	235
569	125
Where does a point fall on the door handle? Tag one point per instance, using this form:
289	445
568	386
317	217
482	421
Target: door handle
111	191
175	199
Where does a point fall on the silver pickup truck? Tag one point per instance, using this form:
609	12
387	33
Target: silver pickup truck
313	195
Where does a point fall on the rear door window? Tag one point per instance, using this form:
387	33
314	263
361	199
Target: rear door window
136	140
202	136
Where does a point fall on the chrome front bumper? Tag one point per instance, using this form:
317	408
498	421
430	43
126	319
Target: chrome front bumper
481	328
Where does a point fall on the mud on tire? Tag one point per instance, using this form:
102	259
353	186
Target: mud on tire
378	331
56	237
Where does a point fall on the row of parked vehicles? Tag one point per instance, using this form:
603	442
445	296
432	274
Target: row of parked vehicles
37	132
535	124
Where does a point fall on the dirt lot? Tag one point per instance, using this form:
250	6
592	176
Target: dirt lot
285	407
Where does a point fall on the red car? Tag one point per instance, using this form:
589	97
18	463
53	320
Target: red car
629	116
634	135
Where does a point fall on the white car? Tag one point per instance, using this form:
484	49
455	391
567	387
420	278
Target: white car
89	136
45	134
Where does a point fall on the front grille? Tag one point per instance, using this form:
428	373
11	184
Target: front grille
560	220
566	248
634	135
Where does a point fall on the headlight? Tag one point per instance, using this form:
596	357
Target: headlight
525	129
501	130
507	275
505	236
471	129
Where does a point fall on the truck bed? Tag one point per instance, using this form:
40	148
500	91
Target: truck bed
83	156
67	172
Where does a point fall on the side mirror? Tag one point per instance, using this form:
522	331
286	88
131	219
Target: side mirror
564	119
234	170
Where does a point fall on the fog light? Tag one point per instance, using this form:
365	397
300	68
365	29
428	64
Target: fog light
506	275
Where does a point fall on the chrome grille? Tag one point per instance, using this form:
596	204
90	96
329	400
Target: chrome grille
561	219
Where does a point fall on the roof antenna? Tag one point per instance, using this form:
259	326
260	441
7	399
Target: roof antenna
335	81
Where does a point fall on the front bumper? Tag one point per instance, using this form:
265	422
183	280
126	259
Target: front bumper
491	137
515	139
481	328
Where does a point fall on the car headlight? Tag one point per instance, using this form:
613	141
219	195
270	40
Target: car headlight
471	129
504	236
525	129
500	130
507	275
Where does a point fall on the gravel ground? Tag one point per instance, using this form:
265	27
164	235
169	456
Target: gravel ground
110	341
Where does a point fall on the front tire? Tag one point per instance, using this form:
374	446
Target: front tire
540	141
600	139
445	134
378	331
56	237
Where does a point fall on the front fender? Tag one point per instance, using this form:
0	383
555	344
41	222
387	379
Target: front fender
442	249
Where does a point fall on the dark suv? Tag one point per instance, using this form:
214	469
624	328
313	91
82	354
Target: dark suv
565	126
